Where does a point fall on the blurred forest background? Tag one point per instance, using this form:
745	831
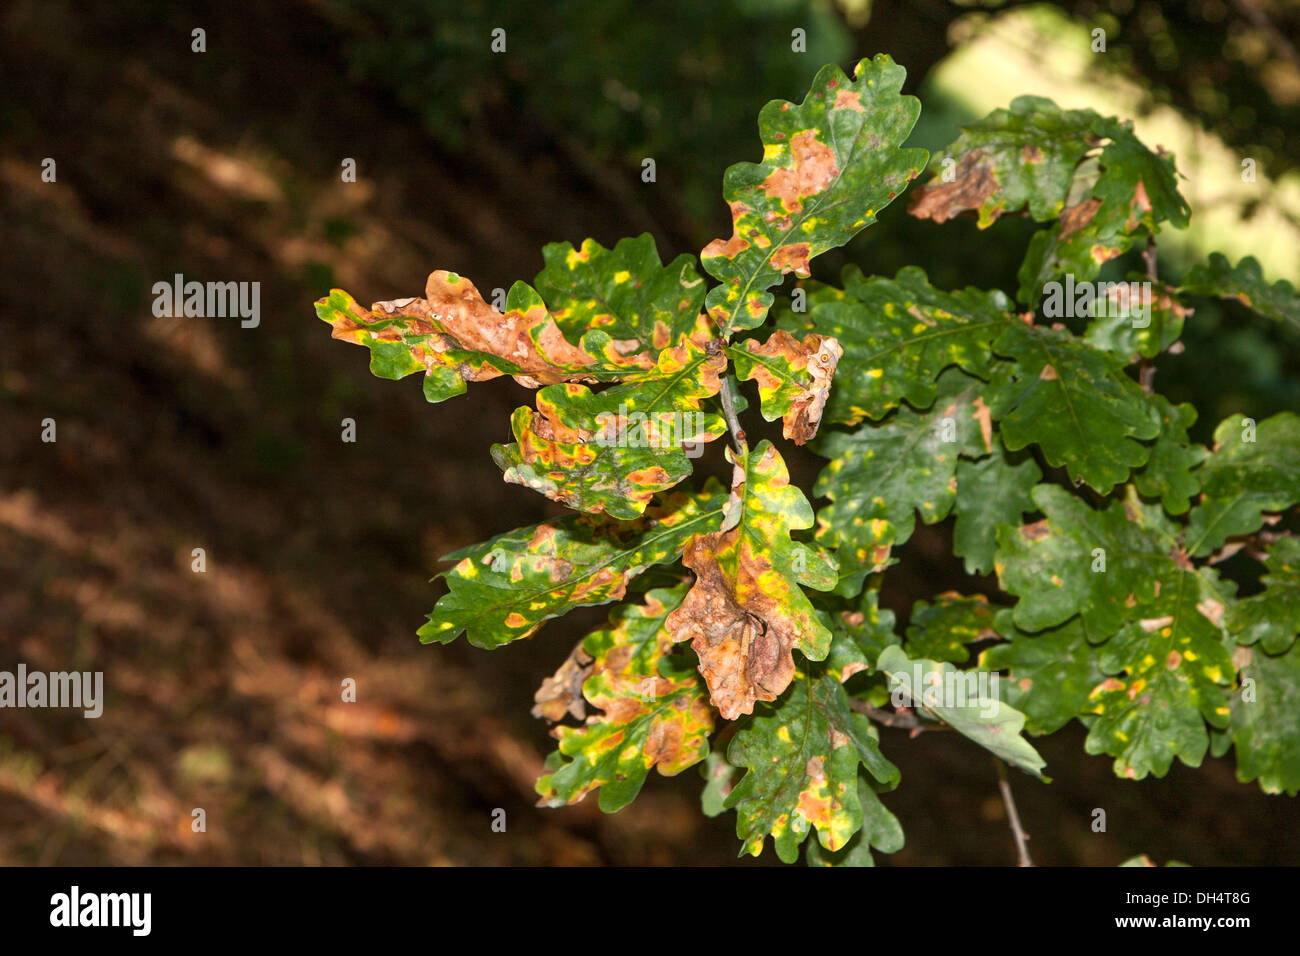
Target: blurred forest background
223	688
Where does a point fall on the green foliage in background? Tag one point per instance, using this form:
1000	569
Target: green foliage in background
608	78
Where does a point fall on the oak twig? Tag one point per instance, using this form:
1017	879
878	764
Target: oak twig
729	410
1017	831
899	720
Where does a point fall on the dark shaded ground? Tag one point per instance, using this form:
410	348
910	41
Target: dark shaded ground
175	434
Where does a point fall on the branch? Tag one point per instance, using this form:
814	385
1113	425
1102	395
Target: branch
1017	831
899	720
1281	45
729	410
1147	369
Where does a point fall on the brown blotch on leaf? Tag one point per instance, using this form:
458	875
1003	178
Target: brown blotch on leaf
1102	253
848	100
1109	684
1141	205
1076	217
811	172
728	248
973	182
793	258
1035	531
474	325
744	651
1213	610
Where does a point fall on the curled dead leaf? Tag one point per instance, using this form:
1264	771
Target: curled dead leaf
561	693
784	360
739	633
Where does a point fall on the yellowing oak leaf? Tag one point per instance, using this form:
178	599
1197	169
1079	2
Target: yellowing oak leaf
613	450
794	378
453	336
504	589
653	711
830	164
746	612
802	758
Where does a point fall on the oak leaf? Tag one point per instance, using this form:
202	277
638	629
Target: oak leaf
746	612
829	165
652	712
794	378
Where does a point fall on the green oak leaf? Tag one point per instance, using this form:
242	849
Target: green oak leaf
880	830
1118	196
625	292
958	699
1122	320
1272	617
940	630
1142	183
747	611
991	491
898	335
1036	156
1171	669
1168	473
503	589
860	630
655	712
1101	563
1265	722
830	164
880	474
802	755
1074	402
1245	282
1051	673
613	450
719	778
1132	190
1252	470
1012	159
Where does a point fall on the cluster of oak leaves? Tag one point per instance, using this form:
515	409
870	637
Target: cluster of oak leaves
944	403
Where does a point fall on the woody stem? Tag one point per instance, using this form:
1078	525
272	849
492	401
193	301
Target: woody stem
1013	818
728	396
